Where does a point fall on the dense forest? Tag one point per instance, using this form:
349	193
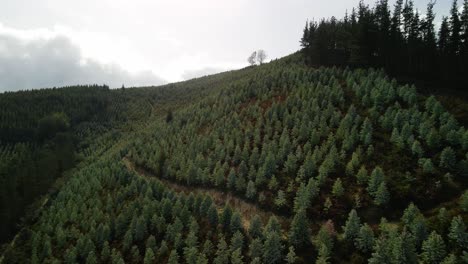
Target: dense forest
404	41
323	156
270	164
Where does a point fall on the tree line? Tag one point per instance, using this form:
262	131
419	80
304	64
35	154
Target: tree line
403	41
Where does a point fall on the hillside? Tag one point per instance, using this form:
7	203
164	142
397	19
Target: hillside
277	163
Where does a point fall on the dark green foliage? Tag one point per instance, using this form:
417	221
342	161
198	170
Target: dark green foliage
255	227
280	141
351	229
149	256
400	41
457	233
272	248
447	158
235	223
299	235
382	196
375	180
338	189
226	217
213	216
291	256
365	238
464	201
433	249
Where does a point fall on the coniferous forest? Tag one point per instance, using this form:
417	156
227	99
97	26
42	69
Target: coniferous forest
402	40
333	154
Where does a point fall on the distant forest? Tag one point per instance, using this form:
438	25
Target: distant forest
404	41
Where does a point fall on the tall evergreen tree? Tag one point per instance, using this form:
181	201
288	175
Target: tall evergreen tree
455	30
299	235
272	248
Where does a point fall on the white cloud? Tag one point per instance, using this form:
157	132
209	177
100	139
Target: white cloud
43	58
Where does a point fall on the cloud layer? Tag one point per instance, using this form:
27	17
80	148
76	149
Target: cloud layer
47	61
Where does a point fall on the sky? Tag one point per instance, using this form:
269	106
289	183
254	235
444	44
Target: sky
47	43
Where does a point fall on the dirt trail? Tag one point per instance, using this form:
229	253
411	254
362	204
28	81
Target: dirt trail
245	208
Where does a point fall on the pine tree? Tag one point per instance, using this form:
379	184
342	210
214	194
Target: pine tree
213	216
291	256
444	33
236	257
455	30
237	241
140	229
338	189
163	249
382	195
327	205
190	255
415	222
416	149
255	227
365	238
151	242
457	232
105	252
173	257
290	166
299	235
302	199
280	200
251	190
91	258
273	225
236	222
450	259
256	248
464	201
272	248
128	240
376	179
232	178
149	256
366	132
226	217
381	252
222	256
427	165
351	228
447	158
362	175
433	249
270	165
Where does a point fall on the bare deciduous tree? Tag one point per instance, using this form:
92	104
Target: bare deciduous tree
261	56
252	58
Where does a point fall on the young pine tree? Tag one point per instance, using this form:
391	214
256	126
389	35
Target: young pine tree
365	239
433	249
338	189
351	228
382	196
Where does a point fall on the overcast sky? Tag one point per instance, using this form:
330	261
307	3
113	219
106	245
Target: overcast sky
45	43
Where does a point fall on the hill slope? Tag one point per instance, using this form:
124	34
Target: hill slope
270	164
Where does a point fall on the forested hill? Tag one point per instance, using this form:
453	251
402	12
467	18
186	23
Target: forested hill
277	163
400	38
